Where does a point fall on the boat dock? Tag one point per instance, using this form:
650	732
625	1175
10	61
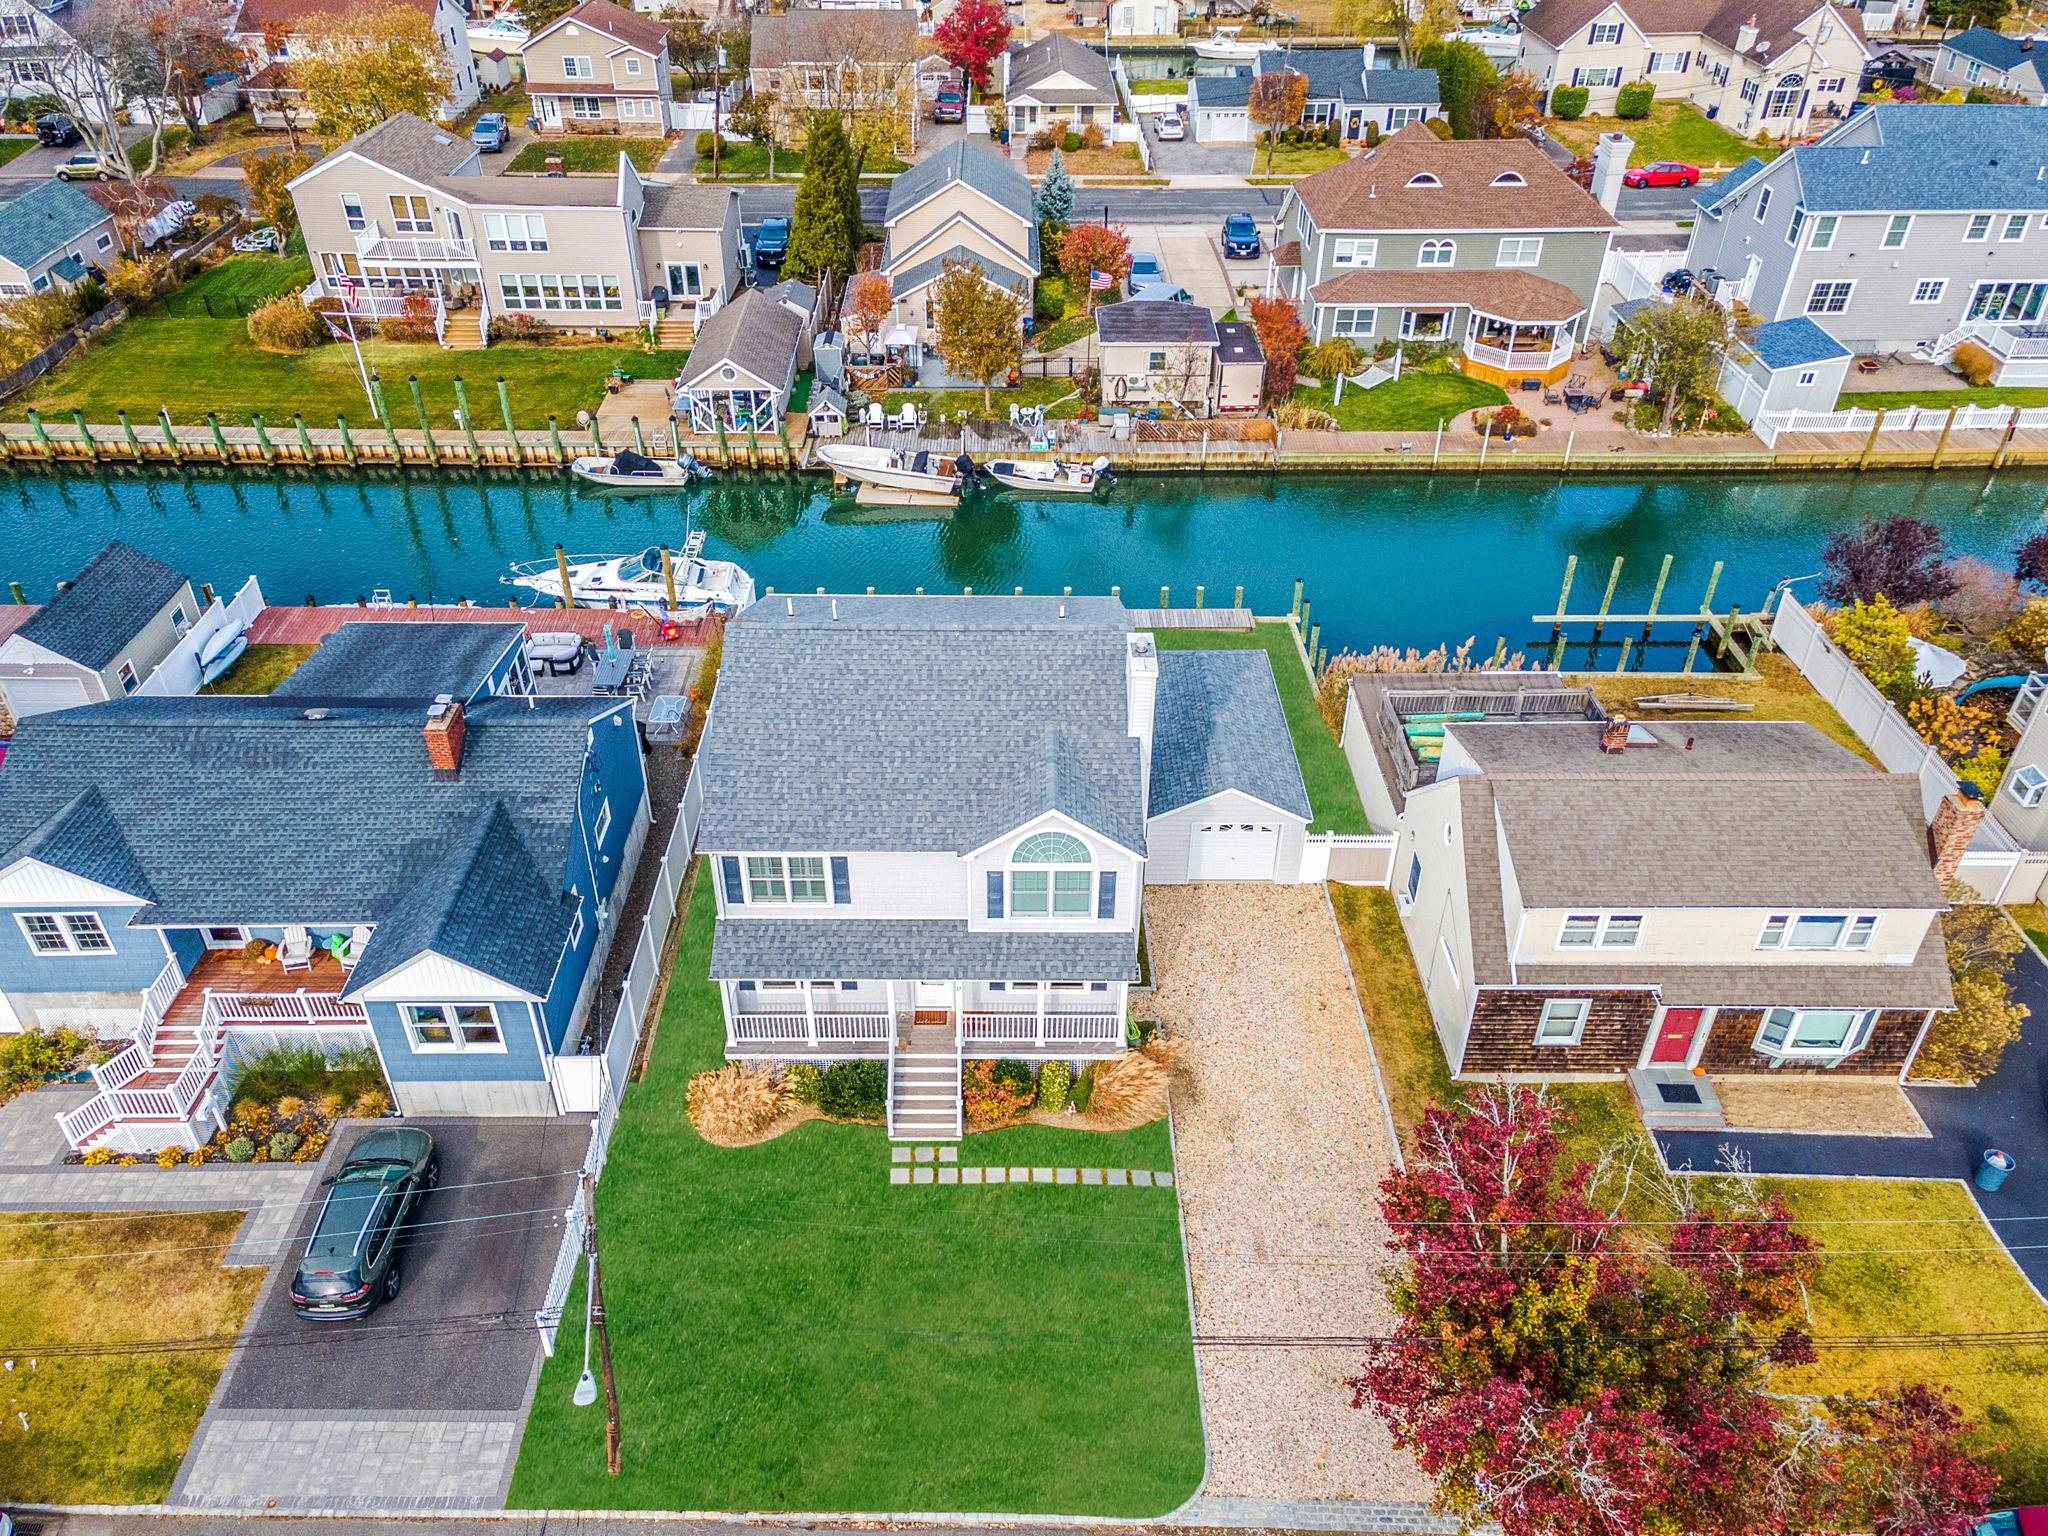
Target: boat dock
309	625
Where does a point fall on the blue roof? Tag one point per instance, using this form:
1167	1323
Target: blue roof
1231	90
1734	181
70	268
374	660
1794	343
107	605
961	161
45	218
1218	726
84	839
1926	159
1339	74
1995	48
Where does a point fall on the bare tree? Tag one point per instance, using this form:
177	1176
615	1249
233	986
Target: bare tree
1184	381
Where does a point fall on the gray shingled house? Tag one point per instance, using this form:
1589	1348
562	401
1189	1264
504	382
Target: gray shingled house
100	637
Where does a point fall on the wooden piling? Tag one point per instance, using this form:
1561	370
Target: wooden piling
348	444
1165	597
562	565
555	437
1628	643
1564	604
163	416
724	448
668	575
1606	599
476	454
1692	651
20	597
220	441
1941	447
505	410
92	449
639	440
128	431
1296	610
419	404
1237	597
305	438
1870	442
1200	590
263	439
35	421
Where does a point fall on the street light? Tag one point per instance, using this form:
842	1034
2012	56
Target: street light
586	1384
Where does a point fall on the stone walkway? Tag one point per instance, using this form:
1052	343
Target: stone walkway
419	1461
941	1165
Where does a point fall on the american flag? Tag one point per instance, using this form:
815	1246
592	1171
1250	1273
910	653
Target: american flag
341	332
1099	281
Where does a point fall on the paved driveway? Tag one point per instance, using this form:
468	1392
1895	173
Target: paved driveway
1192	257
1184	157
420	1405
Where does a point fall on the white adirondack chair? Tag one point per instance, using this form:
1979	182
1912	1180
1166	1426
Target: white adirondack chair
357	938
295	953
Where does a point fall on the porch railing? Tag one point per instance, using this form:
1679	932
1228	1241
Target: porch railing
1519	357
372	244
809	1028
1041	1029
225	1010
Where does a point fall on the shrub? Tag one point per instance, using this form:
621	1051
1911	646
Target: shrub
1083	1090
854	1090
522	328
303	1075
1070	143
2027	630
1986	770
372	1106
136	281
1049	303
169	1157
1055	1081
990	1096
1052	136
1873	635
1333	134
1954	730
414	321
1973	363
735	1103
35	1054
1983	598
1440	128
1091	136
704	144
285	324
1130	1090
804	1082
1292	415
1016	1075
1327	359
1635	99
240	1150
1569	102
283	1144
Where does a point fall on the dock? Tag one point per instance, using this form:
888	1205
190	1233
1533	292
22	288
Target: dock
309	624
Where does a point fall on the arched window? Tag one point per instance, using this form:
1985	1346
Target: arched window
1423	179
1509	179
1051	875
1438	253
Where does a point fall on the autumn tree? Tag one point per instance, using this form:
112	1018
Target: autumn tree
980	327
1276	102
1514	101
867	308
1678	349
81	78
1281	338
535	14
1875	637
1966	1042
2030	561
1465	83
759	116
1409	23
821	239
973	36
160	51
1904	558
368	62
1091	248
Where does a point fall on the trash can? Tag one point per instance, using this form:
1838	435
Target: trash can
1993	1167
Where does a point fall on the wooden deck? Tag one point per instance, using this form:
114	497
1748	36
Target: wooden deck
226	970
311	625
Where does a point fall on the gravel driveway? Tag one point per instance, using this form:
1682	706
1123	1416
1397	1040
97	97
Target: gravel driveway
1281	1139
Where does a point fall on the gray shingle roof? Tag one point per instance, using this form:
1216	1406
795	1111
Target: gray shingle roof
931	270
1792	343
85	839
1057	54
412	146
106	606
757	332
2001	52
685	205
401	661
1218	726
960	161
1925	159
1155	322
919	724
1228	90
1339	74
43	219
899	949
1734	181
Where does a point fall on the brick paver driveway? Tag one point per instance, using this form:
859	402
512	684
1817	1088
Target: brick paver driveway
1281	1138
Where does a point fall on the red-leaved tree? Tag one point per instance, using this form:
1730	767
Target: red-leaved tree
1561	1380
1281	338
1092	248
973	37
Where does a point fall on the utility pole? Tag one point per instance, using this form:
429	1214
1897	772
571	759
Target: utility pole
599	1326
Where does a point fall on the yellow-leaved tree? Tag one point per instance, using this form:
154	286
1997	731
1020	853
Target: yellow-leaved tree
368	61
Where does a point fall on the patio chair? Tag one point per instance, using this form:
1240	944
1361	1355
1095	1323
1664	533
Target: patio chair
906	419
357	938
295	953
876	418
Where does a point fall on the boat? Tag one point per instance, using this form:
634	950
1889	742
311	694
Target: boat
1224	43
1501	43
1050	477
627	470
635	581
221	650
889	469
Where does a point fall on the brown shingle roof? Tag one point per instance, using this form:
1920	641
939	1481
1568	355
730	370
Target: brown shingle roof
1777	21
1506	295
810	36
1373	191
615	21
685	205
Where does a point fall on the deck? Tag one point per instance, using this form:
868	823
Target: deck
312	624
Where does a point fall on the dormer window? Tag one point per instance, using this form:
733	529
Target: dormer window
1509	179
1424	179
1051	875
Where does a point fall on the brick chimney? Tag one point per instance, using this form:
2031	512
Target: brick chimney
1955	822
443	735
1614	736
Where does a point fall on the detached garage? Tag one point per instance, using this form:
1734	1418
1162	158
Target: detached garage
1227	798
27	696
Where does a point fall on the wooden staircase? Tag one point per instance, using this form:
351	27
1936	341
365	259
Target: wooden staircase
924	1086
675	331
464	331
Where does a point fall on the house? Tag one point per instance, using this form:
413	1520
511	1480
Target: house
1156	352
867	64
1587	896
39	58
1987	59
407	207
1056	79
1352	87
100	637
1240	367
599	69
1127	19
1482	245
441	877
1786	365
266	31
744	364
378	660
1757	66
959	204
52	233
893	899
1907	226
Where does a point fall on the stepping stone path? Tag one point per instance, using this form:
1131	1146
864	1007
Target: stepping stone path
941	1165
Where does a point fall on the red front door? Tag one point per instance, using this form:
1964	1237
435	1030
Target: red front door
1674	1035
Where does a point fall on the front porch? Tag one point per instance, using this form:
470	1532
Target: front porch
846	1019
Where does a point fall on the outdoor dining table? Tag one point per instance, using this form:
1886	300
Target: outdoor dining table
609	673
665	716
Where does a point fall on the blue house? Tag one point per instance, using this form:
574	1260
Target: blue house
435	877
1352	87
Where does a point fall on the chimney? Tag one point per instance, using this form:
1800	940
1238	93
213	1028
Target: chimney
1614	736
1141	689
1372	52
1610	161
443	735
1745	35
1955	822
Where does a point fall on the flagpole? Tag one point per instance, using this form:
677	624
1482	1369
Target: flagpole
362	369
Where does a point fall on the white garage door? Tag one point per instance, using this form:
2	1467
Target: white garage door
1233	850
39	695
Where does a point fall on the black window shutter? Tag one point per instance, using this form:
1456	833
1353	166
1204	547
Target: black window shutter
1105	894
842	886
995	893
735	893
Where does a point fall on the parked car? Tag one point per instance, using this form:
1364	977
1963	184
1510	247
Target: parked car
1240	236
1891	72
1663	173
87	167
771	242
949	107
56	130
351	1261
491	132
1172	125
1144	271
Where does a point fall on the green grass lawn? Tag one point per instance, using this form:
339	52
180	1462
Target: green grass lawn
1296	159
1159	87
260	669
12	145
2033	921
174	139
1332	792
1672	131
1064	332
950	404
749	162
793	1332
1940	399
591	152
1415	402
240	280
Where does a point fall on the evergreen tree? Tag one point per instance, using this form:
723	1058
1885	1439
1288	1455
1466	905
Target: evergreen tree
820	237
856	162
1056	194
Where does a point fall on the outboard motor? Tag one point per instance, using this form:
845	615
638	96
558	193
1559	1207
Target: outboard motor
1102	470
969	470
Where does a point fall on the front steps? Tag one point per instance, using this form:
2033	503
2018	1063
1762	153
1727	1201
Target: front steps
464	331
675	332
924	1088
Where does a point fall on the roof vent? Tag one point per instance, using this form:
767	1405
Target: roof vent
442	138
1865	160
315	714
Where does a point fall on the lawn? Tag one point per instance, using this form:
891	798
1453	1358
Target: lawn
237	283
1940	399
1064	332
12	145
749	162
193	365
1778	692
110	1428
1159	87
591	152
1332	792
952	404
2033	921
260	669
1672	131
793	1332
1415	402
1296	159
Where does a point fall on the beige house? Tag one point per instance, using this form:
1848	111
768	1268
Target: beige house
1158	353
1757	66
599	69
1057	79
870	65
405	208
266	31
961	204
99	638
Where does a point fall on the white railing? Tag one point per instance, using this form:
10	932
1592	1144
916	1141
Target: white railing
1518	357
225	1010
841	1028
1348	858
2008	338
770	1028
80	1125
372	244
1906	418
829	1028
133	1059
1034	1029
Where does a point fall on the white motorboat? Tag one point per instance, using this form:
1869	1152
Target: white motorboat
1050	476
1502	42
630	471
1224	43
635	581
887	469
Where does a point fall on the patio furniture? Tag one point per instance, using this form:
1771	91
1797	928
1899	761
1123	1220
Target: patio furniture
559	650
351	949
1868	365
876	418
666	717
295	953
609	673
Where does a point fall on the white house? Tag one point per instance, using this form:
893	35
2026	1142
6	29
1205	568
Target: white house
267	30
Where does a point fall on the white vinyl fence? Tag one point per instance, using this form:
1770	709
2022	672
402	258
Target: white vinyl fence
1348	859
1772	425
178	674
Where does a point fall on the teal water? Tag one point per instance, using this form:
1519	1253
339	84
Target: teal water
1388	559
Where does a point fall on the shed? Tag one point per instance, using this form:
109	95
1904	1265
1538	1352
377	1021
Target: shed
100	637
1788	365
744	364
827	411
1240	367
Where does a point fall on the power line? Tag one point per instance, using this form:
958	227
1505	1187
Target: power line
10	1225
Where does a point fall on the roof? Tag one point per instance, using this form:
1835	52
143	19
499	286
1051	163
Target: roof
1218	726
1238	342
642	32
1155	322
107	604
1777	21
1340	74
1372	191
933	268
2001	52
1794	343
1232	89
912	949
1504	293
402	661
410	145
950	721
806	35
685	205
959	161
1057	53
757	332
1921	159
47	217
1712	192
529	191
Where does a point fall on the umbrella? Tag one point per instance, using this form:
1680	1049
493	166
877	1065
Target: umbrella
611	646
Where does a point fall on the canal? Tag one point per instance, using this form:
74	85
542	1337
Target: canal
1388	558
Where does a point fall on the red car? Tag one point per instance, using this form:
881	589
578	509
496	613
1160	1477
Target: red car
950	107
1665	173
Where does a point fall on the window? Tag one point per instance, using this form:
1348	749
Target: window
1049	888
1596	77
1414	876
576	66
2027	785
1563	1020
1609	931
766	880
798	878
1509	179
603	823
1817	930
1798	223
1424	179
1579	933
588	107
224	938
1823	232
1353	322
411	215
576	925
129	681
2015	227
552	290
515	232
1896	231
1763	203
1669	63
1749	90
1829	298
2007	301
1401	117
632	66
1605	32
103	242
1807	377
453	1026
1814	1031
1438	253
17	27
1980	227
1155	362
1929	290
352	210
807	880
1785	99
1347	252
65	933
1520	251
178	620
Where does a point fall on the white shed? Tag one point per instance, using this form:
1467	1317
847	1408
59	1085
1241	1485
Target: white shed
1788	365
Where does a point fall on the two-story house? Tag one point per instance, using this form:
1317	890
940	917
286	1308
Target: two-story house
869	65
433	876
1352	87
407	208
52	233
1757	66
1479	245
599	69
959	204
930	821
100	637
1988	59
1589	896
1908	226
267	31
